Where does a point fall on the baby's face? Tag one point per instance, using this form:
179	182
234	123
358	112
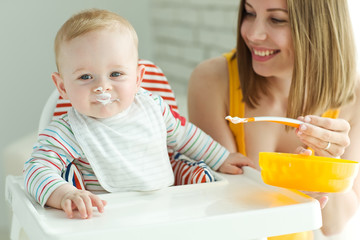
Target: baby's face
99	72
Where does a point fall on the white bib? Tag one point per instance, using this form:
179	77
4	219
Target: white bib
128	152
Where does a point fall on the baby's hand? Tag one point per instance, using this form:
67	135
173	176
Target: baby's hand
234	163
69	198
83	201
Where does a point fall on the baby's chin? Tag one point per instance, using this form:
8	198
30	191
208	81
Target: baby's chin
102	114
102	111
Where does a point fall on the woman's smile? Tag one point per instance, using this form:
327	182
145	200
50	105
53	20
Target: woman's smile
263	54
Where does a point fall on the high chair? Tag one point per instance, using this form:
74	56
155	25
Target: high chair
221	206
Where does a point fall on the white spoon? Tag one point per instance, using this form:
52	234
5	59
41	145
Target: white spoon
282	120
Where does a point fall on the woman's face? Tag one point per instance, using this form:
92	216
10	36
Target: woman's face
266	32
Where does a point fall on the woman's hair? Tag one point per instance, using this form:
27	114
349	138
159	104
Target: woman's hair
324	73
90	20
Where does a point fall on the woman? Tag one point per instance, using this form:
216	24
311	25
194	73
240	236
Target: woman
296	59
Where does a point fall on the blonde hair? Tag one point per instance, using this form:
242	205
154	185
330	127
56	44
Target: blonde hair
91	20
324	65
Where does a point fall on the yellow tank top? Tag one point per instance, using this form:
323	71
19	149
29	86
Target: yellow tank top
237	108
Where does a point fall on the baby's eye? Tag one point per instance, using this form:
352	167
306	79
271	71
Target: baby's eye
85	77
115	74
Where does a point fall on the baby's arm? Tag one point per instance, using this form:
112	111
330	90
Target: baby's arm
55	149
191	141
52	153
69	198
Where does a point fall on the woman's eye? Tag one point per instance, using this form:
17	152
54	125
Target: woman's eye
276	20
85	77
249	14
115	74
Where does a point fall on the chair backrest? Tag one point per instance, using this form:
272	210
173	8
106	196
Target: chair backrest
154	81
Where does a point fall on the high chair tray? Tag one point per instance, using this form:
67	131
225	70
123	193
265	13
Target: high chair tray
237	207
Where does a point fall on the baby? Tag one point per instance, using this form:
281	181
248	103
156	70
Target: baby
116	135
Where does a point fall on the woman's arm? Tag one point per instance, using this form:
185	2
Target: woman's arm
208	100
342	206
344	137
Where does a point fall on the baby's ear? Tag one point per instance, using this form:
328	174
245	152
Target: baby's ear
59	83
140	75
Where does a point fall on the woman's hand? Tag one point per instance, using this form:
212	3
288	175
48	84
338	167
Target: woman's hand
320	196
326	136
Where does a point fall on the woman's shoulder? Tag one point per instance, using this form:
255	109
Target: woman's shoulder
211	71
208	89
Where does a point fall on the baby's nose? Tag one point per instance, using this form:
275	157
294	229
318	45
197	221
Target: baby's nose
103	85
98	90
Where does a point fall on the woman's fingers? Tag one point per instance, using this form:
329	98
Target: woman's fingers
303	151
326	136
323	201
338	124
317	145
320	196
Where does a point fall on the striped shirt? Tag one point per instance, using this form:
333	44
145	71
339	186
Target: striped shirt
57	148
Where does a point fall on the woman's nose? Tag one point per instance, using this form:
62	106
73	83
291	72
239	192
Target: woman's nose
257	31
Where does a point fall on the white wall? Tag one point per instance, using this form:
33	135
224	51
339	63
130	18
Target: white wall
187	32
27	30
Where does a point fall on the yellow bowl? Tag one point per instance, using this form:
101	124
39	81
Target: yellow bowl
307	173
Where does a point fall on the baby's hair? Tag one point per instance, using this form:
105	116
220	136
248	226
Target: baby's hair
91	20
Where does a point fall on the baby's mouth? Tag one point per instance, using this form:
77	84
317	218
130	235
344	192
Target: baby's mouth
104	98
